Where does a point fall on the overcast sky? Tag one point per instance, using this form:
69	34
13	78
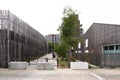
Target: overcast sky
45	15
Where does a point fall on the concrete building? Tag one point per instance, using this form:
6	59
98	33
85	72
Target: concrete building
53	38
18	40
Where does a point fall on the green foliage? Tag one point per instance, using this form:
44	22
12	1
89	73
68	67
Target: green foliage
50	46
63	63
61	50
70	28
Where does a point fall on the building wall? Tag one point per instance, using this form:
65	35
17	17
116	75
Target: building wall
99	35
18	40
102	34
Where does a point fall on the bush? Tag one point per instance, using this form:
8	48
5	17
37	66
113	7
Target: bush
63	63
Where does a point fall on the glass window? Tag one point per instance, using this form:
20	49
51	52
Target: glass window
86	43
111	47
116	47
105	47
79	45
119	47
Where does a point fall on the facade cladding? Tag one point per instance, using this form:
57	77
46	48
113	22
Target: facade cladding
18	40
103	44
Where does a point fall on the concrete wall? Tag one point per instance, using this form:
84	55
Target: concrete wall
79	65
45	66
17	65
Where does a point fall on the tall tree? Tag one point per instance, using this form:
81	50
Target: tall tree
70	29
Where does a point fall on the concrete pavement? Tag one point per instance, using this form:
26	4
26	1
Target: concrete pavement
108	74
60	74
57	74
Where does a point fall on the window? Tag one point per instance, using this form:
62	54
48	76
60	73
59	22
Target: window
111	47
105	47
116	47
119	47
86	43
79	45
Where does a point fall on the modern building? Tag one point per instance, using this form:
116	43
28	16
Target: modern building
102	44
53	38
18	40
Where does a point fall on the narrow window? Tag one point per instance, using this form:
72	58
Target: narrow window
116	47
86	43
79	45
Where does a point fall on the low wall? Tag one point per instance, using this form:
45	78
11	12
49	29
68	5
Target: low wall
17	65
79	65
54	62
45	66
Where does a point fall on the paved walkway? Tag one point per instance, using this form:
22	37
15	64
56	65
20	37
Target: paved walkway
57	74
43	59
50	56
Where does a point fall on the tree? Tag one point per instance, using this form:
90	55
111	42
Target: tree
70	29
61	50
50	47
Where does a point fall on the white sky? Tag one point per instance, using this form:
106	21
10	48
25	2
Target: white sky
45	15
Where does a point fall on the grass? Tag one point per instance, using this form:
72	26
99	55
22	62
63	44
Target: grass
63	63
